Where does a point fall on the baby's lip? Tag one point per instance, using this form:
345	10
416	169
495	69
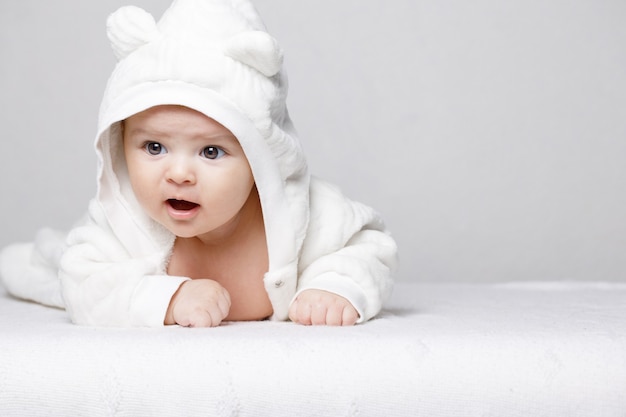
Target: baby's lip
182	205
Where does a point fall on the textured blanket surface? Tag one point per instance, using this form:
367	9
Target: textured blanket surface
533	349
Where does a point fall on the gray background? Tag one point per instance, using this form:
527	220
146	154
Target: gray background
490	134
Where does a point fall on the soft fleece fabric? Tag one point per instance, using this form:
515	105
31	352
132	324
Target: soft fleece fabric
216	57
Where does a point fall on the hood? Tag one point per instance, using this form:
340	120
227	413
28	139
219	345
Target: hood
215	57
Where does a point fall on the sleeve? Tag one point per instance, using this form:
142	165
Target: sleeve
30	270
103	285
347	251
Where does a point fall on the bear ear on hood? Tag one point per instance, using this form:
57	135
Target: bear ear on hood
128	28
258	50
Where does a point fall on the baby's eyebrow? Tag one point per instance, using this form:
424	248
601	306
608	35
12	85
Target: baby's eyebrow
138	130
226	138
221	137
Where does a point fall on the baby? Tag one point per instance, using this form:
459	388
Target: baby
205	211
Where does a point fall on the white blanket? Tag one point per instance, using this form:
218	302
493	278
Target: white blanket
543	349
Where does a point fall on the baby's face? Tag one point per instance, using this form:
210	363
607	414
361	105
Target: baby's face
188	172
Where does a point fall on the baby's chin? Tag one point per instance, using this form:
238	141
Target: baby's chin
176	230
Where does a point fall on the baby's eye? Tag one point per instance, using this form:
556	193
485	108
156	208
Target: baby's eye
213	152
154	148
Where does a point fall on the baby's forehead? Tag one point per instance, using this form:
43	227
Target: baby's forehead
164	111
172	119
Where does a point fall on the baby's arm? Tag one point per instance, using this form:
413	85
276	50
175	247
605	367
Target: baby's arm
104	285
347	251
317	307
198	303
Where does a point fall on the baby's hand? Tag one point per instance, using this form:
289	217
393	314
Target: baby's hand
198	303
319	307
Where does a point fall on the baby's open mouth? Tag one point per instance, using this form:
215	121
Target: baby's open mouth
182	205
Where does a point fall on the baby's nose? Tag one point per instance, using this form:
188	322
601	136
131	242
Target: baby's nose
181	171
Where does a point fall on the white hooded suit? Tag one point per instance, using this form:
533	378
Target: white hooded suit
213	56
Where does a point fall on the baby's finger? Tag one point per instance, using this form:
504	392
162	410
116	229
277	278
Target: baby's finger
319	312
223	304
349	316
202	318
293	311
334	316
303	313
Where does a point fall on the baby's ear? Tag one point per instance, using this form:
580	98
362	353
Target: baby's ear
256	49
128	28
